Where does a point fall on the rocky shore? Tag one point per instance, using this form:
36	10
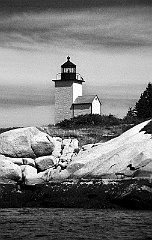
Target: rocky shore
38	170
128	193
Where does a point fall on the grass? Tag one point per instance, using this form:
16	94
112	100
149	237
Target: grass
85	135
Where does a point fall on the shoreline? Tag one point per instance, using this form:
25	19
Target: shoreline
135	194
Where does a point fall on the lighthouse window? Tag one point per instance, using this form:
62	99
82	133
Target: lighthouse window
69	70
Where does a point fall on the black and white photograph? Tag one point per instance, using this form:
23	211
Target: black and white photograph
76	119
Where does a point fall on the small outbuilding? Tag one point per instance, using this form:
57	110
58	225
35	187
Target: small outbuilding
88	104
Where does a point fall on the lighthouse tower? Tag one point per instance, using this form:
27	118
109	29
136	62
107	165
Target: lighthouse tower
68	86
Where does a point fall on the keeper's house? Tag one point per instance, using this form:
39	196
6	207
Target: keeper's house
69	101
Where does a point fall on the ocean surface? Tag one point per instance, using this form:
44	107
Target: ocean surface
13	115
72	224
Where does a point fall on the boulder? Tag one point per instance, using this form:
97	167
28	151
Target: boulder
17	142
18	161
74	143
113	157
63	174
55	174
40	178
42	144
144	170
45	162
46	176
9	170
141	173
57	146
28	172
27	142
148	167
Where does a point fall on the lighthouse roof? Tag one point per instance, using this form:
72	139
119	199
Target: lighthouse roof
68	63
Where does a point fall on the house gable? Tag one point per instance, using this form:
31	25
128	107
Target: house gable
96	106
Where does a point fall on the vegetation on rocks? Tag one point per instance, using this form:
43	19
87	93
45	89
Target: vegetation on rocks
90	120
86	134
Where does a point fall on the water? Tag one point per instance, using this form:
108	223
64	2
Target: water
18	115
72	224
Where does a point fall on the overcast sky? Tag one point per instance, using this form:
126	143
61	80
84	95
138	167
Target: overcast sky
110	41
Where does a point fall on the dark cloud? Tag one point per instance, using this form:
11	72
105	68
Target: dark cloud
13	6
110	28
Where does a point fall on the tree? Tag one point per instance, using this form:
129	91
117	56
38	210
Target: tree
143	108
131	116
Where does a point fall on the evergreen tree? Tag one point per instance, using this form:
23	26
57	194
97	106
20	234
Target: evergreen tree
143	108
131	116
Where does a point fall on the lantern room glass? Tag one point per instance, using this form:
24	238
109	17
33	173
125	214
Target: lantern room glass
68	70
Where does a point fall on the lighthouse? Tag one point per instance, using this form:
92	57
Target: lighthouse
69	101
68	86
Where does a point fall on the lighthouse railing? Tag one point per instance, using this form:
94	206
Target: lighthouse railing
58	76
78	76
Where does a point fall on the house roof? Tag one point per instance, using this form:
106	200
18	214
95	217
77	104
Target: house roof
85	99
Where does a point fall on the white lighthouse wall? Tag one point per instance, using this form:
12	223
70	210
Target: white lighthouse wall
77	90
96	106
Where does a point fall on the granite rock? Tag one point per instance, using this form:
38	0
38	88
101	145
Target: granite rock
17	142
57	146
9	170
133	148
42	144
28	172
27	142
45	162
